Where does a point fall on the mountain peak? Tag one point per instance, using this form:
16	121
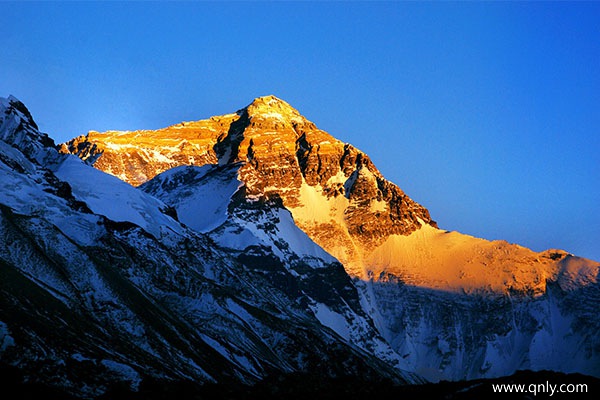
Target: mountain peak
270	102
264	214
18	129
279	154
272	107
12	105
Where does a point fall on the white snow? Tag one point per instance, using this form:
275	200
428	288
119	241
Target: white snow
236	237
109	196
216	345
317	207
331	319
79	357
202	202
156	156
549	345
6	340
299	241
239	234
25	195
84	229
452	261
118	146
21	192
272	115
205	207
378	205
576	272
239	311
16	156
16	130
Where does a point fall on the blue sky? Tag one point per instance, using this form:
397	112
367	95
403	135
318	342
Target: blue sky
486	113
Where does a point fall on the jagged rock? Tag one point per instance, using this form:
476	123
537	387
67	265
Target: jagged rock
279	151
101	286
257	245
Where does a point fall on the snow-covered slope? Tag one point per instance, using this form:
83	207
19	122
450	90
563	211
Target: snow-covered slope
263	234
411	276
202	210
448	305
109	196
259	244
99	286
454	262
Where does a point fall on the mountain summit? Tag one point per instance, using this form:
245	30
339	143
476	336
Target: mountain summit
271	107
334	191
102	285
253	244
454	306
138	156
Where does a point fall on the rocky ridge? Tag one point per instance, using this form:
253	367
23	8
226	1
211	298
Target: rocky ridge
453	306
255	246
101	285
281	154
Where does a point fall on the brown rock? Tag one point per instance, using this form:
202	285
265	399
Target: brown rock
280	153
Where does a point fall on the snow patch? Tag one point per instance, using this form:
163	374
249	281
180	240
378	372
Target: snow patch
201	195
315	206
236	237
6	340
79	357
378	206
239	311
230	355
83	229
272	115
331	319
109	196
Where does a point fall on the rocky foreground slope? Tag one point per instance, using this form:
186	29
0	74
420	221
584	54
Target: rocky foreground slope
252	244
100	284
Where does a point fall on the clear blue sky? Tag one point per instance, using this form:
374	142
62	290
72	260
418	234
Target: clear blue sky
486	113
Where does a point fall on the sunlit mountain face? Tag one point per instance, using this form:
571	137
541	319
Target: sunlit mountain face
251	246
333	191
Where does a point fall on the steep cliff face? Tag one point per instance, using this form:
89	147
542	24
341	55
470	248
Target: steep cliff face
138	156
335	193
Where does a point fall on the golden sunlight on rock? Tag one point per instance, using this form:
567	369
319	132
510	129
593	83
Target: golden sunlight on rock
336	196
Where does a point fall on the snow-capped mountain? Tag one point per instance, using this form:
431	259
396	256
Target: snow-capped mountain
335	193
102	284
451	305
253	244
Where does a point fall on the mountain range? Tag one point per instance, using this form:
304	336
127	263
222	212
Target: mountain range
253	244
